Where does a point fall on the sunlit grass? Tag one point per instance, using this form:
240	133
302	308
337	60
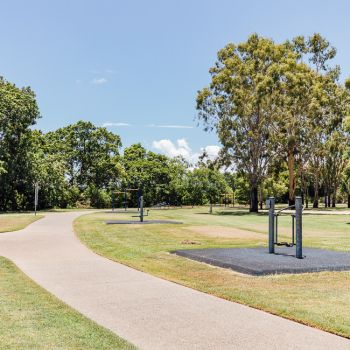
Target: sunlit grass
31	318
15	222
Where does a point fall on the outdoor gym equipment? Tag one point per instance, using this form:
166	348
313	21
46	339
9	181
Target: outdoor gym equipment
297	229
142	214
124	202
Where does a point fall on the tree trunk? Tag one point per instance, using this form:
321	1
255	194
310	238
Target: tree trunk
292	180
328	200
307	199
316	198
254	202
334	199
261	198
348	200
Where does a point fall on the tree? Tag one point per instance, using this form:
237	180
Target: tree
308	110
18	112
91	157
345	184
335	164
149	171
178	171
48	170
240	104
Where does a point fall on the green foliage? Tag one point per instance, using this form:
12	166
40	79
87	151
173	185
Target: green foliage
160	178
204	186
241	103
18	112
88	160
268	106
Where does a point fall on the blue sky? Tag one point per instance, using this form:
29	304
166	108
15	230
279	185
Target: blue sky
136	66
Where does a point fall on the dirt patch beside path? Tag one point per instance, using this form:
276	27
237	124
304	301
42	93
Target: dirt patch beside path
228	232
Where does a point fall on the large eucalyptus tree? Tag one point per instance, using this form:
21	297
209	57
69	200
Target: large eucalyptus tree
242	102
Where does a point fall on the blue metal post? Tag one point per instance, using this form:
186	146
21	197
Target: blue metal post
299	227
141	208
271	225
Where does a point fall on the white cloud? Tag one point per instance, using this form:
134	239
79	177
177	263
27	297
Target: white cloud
109	124
99	81
170	126
183	144
212	151
181	148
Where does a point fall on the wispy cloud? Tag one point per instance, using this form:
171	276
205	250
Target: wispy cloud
99	81
111	71
169	126
109	124
103	71
164	126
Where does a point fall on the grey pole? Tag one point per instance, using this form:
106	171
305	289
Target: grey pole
36	196
271	203
299	227
141	208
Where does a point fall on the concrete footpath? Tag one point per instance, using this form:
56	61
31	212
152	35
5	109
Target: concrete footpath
149	312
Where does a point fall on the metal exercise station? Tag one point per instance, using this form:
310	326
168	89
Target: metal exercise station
297	229
125	200
141	215
141	209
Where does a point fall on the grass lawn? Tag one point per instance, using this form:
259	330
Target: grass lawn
31	318
318	299
15	222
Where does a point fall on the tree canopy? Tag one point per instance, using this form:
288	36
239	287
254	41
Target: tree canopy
268	106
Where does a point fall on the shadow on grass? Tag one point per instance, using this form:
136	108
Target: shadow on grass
236	213
239	213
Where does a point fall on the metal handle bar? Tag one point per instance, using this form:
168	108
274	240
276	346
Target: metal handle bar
286	208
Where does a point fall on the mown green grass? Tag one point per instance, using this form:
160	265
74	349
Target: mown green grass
15	222
31	318
318	299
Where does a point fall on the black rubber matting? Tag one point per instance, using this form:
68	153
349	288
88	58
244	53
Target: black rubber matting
257	261
121	222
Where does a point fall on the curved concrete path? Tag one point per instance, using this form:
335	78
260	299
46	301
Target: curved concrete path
150	312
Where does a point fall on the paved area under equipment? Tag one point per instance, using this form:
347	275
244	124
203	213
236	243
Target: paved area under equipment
258	261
